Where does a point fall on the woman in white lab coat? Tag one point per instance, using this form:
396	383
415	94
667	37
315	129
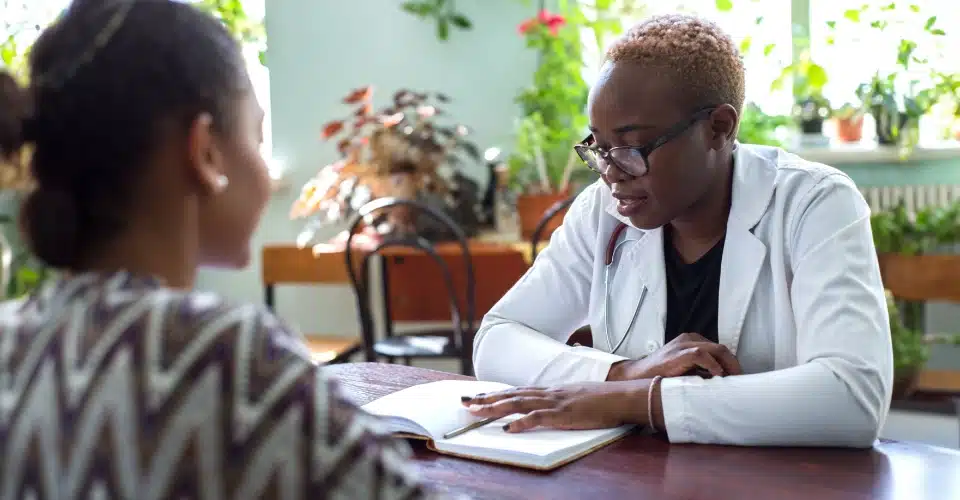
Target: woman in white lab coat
733	291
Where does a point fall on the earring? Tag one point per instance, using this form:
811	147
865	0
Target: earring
220	183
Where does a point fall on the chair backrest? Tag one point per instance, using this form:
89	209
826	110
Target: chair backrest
551	212
463	318
290	265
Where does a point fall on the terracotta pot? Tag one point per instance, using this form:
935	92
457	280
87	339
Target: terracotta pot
904	384
850	130
532	207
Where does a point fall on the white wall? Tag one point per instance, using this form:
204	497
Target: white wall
318	51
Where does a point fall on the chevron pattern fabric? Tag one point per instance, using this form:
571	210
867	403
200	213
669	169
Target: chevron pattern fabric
113	387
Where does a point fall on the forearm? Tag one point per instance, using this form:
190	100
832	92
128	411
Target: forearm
515	354
813	404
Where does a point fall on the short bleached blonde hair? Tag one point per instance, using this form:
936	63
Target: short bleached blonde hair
703	58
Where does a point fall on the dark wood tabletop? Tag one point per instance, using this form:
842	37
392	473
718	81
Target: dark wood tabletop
642	466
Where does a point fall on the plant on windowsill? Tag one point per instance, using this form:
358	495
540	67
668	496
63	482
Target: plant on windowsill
849	121
400	151
896	98
808	78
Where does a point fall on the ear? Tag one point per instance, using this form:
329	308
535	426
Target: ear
723	126
204	155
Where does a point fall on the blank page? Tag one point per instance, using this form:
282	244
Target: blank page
435	406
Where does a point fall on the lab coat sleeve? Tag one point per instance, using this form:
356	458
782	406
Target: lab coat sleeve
521	340
839	392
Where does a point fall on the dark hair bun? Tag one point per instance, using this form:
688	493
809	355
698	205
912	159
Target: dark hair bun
13	112
49	221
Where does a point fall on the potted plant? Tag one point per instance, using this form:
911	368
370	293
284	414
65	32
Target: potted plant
811	108
399	151
553	119
910	351
849	121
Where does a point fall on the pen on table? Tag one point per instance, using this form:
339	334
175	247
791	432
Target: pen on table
470	427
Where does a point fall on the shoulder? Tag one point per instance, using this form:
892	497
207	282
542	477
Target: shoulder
799	176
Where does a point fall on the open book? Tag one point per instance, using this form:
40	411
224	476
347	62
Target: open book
429	411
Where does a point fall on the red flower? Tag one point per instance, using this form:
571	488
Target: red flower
527	25
545	18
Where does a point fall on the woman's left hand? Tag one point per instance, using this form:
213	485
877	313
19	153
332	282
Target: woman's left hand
597	405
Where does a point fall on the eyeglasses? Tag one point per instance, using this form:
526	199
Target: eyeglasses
632	160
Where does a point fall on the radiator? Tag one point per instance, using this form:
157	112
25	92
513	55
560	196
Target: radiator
914	197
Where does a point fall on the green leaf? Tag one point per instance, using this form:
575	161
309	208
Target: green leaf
816	76
768	48
938	32
832	24
758	21
852	14
915	8
745	45
930	22
443	28
889	7
421	9
460	21
724	5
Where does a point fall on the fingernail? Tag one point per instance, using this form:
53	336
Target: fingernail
506	427
465	398
482	394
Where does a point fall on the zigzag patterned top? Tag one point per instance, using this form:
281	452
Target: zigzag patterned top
114	387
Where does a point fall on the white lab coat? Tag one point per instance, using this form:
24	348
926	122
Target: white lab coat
801	306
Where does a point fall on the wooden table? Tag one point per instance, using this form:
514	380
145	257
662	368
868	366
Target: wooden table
640	466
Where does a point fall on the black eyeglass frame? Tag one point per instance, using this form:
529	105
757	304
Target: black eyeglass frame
588	145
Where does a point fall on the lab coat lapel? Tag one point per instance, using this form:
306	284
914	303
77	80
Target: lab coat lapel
636	279
744	255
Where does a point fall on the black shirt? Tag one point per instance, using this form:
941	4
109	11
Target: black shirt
693	291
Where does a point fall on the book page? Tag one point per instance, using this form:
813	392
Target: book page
492	442
435	406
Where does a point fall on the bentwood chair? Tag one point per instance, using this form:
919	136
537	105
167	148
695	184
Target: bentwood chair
453	342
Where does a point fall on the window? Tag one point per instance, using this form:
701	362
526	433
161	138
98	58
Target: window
24	20
762	30
852	52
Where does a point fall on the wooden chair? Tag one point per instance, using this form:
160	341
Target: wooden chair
923	278
459	343
556	209
583	336
289	265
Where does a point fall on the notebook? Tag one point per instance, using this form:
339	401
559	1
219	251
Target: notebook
428	411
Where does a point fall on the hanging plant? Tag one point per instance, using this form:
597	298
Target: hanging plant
443	12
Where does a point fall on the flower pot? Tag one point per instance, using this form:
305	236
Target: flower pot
885	134
812	127
850	130
904	384
532	207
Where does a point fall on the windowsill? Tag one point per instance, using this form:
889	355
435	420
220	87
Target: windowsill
870	152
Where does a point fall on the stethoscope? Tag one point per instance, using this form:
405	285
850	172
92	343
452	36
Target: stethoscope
612	247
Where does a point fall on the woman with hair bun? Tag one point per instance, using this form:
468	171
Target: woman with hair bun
117	380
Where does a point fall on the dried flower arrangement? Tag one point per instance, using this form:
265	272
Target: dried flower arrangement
398	150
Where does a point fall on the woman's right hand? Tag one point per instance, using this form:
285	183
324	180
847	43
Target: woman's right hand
687	352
